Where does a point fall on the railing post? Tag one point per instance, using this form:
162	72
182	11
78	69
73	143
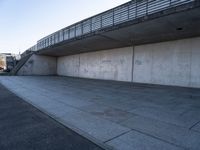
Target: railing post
63	34
113	21
136	9
128	11
90	25
147	7
53	39
75	32
68	33
101	20
81	28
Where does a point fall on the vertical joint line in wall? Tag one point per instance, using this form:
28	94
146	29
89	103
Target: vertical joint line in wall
190	74
151	69
79	63
57	66
132	64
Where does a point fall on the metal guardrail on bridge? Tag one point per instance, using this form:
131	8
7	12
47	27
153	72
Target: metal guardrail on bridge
126	12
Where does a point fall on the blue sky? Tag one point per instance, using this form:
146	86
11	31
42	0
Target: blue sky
23	22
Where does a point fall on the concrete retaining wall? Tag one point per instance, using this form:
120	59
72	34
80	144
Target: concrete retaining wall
168	63
112	64
39	65
68	65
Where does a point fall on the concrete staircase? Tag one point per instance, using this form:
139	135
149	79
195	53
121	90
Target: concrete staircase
22	61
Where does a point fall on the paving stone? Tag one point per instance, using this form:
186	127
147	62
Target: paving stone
177	135
138	141
185	120
99	128
22	127
99	107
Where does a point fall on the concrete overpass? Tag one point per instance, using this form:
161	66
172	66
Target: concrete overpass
133	23
144	41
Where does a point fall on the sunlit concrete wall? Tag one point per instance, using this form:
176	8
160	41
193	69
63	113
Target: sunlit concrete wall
114	64
168	63
39	65
68	65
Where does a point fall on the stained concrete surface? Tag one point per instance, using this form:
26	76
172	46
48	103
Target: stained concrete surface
113	64
123	115
167	63
39	65
23	127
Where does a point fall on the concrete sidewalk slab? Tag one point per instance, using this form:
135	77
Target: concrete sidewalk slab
119	114
135	140
23	127
196	127
165	131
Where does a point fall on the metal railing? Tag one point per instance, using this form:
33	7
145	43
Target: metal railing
123	13
33	48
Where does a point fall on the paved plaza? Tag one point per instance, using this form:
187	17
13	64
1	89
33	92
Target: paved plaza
24	127
125	116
